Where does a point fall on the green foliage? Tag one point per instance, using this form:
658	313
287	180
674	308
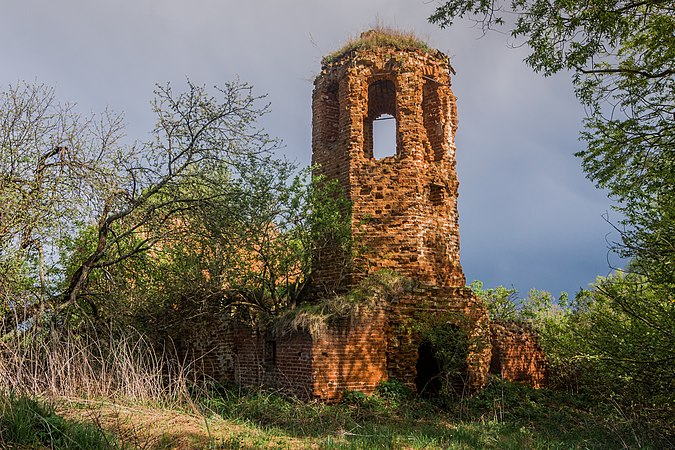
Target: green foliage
503	415
315	316
200	216
394	389
449	345
65	175
616	333
29	423
246	249
607	343
501	302
619	335
504	304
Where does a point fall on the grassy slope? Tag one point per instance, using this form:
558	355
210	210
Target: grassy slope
503	416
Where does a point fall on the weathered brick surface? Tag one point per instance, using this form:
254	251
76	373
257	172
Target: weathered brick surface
351	355
429	305
210	344
516	353
404	206
263	359
404	214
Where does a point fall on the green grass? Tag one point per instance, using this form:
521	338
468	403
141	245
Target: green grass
379	36
502	416
28	423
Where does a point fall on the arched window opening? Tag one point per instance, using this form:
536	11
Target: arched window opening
432	110
379	125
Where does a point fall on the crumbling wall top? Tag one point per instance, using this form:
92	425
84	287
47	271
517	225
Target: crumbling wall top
383	38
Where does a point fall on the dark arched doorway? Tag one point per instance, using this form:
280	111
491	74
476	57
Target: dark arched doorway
428	379
441	361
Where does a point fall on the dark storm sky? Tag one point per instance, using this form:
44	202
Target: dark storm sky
528	217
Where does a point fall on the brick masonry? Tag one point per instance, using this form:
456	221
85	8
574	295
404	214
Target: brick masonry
404	206
350	354
516	353
404	218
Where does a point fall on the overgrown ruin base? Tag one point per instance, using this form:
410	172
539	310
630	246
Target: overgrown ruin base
370	345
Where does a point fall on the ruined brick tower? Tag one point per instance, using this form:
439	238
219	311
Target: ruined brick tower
405	205
404	218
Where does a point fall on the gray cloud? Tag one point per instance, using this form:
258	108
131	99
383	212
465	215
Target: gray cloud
528	218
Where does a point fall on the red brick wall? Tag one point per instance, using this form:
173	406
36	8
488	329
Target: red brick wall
404	206
404	214
516	354
404	217
426	306
350	355
210	344
289	369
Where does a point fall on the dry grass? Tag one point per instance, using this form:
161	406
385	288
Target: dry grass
315	317
148	427
114	364
380	36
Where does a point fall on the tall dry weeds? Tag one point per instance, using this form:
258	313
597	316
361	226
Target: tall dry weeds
113	364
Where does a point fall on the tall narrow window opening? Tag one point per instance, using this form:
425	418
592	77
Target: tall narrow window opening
384	136
270	352
380	134
432	110
328	123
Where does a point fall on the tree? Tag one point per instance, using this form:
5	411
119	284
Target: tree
197	135
51	161
622	56
59	172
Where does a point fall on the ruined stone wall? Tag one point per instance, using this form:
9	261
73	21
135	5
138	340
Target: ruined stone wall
262	359
404	217
516	353
230	352
350	354
404	213
411	313
210	344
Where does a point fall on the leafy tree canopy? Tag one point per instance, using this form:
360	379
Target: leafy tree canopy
200	212
622	56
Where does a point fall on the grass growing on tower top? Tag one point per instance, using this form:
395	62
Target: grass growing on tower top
380	36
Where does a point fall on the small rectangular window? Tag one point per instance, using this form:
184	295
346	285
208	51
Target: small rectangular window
270	352
436	195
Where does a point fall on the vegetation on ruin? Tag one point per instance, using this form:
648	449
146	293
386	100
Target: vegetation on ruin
315	316
378	37
614	341
595	348
106	247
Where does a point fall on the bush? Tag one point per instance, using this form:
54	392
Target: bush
612	343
